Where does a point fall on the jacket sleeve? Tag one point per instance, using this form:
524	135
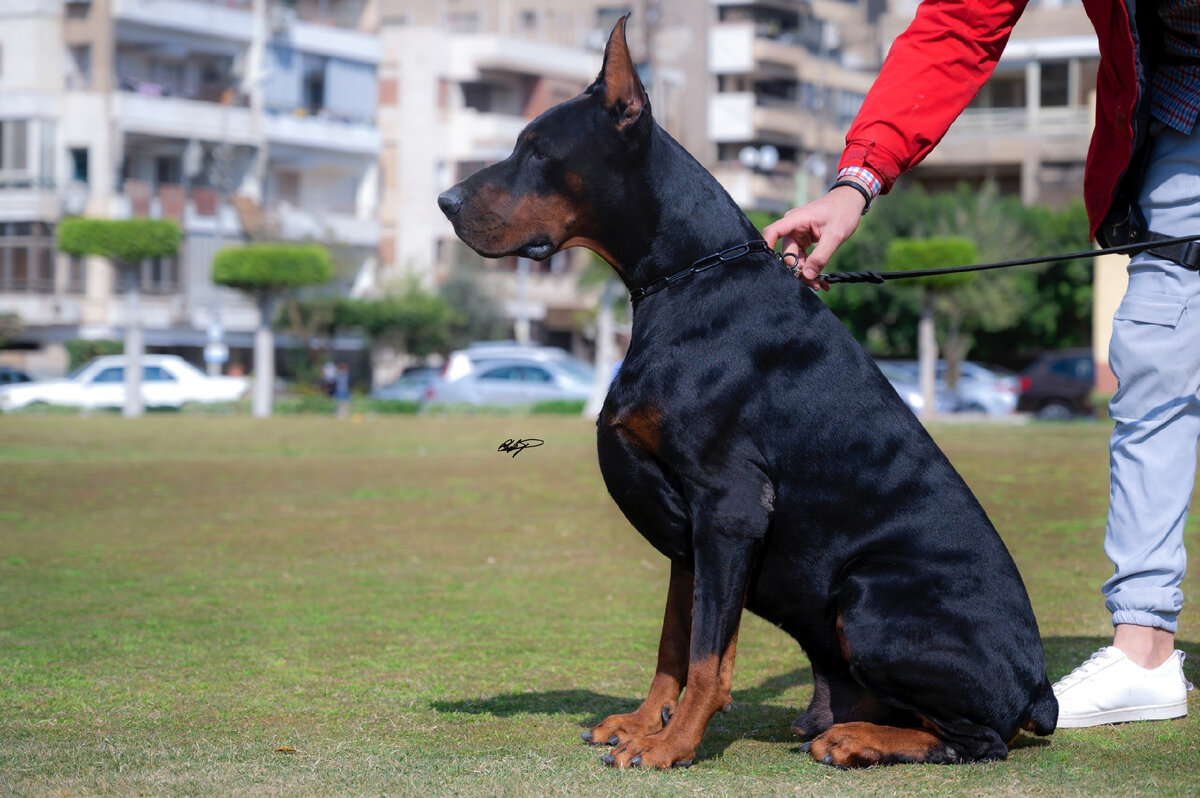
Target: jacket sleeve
931	73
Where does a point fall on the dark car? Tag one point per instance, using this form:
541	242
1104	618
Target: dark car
1058	385
10	375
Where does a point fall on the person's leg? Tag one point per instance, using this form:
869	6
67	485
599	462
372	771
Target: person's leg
1156	359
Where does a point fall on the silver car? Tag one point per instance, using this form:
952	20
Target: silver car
513	381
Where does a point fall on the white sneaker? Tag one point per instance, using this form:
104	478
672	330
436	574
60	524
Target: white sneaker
1110	688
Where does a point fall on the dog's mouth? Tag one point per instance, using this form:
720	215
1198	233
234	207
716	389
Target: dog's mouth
537	250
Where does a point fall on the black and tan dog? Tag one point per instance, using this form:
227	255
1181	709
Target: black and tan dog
855	535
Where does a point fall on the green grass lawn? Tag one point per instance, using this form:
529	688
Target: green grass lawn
407	611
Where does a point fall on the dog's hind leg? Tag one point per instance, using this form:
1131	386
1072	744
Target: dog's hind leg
837	698
670	675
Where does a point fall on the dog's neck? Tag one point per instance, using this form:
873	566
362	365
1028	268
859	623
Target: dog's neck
684	215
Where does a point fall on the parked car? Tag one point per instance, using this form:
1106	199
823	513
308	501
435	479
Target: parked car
984	388
167	381
10	375
980	388
410	387
904	379
513	380
1059	384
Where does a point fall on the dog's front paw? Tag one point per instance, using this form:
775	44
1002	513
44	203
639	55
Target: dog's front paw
616	729
655	751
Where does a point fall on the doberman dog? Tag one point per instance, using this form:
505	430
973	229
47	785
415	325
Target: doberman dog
854	534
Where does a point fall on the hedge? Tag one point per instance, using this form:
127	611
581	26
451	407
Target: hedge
258	267
124	240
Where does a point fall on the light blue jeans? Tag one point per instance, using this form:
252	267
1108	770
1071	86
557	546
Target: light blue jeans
1155	355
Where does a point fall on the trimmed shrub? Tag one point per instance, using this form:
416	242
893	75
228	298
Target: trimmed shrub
123	240
266	267
918	254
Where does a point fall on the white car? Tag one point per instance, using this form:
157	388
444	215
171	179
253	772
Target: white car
167	381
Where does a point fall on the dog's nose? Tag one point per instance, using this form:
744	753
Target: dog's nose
450	201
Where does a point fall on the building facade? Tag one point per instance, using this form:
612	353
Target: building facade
340	121
239	119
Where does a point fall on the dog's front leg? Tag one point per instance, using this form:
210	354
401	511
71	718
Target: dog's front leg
670	675
718	596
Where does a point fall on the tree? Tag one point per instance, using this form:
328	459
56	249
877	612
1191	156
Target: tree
1009	314
478	317
126	243
937	292
416	321
266	271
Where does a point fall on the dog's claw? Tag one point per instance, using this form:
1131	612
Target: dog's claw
728	707
686	763
666	714
607	759
586	737
613	740
828	760
806	747
636	761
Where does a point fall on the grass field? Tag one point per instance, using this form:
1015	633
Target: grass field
405	611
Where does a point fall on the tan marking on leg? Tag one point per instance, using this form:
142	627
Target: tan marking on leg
671	673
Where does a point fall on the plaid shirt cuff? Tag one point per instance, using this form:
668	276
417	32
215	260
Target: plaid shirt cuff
864	177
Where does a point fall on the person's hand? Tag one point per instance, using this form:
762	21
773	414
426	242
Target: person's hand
826	222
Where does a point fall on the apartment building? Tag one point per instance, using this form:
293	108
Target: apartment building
239	119
459	80
1029	127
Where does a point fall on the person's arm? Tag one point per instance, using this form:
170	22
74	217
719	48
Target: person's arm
932	72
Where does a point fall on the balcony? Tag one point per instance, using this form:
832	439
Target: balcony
23	204
320	133
221	19
746	116
180	118
479	136
303	224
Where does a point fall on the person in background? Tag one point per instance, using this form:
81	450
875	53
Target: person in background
1141	183
341	389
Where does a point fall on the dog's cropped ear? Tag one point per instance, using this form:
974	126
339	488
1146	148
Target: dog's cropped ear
622	89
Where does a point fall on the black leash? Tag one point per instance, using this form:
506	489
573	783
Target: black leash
1184	250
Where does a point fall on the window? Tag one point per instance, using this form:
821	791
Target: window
156	374
1054	89
535	374
76	275
79	164
160	275
111	374
79	67
14	147
313	83
27	256
511	373
287	186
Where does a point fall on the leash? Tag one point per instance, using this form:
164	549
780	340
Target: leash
1184	250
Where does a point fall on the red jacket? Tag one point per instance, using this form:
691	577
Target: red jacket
937	66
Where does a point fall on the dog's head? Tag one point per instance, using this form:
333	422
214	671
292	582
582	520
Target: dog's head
567	180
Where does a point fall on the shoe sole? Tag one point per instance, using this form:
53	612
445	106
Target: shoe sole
1177	709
